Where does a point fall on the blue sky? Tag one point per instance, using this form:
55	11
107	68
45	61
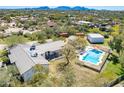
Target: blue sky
95	7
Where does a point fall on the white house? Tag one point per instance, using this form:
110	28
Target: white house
82	22
21	55
95	38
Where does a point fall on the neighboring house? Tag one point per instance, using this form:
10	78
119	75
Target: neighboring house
95	38
13	30
105	27
25	58
82	22
2	23
24	18
3	46
79	34
1	64
63	34
51	23
28	31
12	24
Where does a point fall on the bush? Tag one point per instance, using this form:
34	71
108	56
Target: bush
3	53
106	36
4	59
1	36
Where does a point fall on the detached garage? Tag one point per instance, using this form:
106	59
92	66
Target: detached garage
95	38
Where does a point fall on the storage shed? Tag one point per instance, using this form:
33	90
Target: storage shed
95	38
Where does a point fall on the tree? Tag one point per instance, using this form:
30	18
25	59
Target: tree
4	59
69	77
68	52
1	35
7	18
3	83
14	76
3	52
41	37
40	75
81	43
116	43
14	39
121	58
94	30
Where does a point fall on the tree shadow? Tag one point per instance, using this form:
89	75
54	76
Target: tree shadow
114	59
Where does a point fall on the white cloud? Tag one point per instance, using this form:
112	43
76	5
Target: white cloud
61	3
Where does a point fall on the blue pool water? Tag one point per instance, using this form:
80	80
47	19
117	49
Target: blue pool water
92	56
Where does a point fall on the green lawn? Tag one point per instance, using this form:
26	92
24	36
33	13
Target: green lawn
111	71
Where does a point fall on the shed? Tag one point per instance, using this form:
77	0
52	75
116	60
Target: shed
79	34
95	38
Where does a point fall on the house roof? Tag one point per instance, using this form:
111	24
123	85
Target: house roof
83	22
51	23
51	46
20	54
23	60
95	35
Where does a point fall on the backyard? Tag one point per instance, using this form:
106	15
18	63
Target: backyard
87	77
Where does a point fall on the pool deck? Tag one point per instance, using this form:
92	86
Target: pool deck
98	67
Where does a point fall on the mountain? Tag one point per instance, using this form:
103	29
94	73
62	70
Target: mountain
42	8
80	8
62	8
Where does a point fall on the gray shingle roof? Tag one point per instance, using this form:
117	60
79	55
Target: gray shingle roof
21	56
52	46
23	61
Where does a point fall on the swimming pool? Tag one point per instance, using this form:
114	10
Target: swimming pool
93	56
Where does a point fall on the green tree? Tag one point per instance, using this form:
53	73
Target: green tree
116	43
121	58
3	52
40	75
4	59
69	77
94	30
68	52
81	43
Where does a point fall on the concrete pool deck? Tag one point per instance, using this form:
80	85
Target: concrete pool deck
95	67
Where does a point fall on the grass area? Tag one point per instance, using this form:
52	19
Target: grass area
111	71
1	41
106	41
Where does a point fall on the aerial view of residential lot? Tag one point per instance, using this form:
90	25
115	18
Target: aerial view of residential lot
61	47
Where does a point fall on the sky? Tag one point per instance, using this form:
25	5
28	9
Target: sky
96	4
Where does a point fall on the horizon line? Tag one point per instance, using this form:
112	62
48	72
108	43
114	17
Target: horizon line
90	7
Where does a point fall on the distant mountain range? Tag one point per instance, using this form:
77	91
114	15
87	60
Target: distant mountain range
60	8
